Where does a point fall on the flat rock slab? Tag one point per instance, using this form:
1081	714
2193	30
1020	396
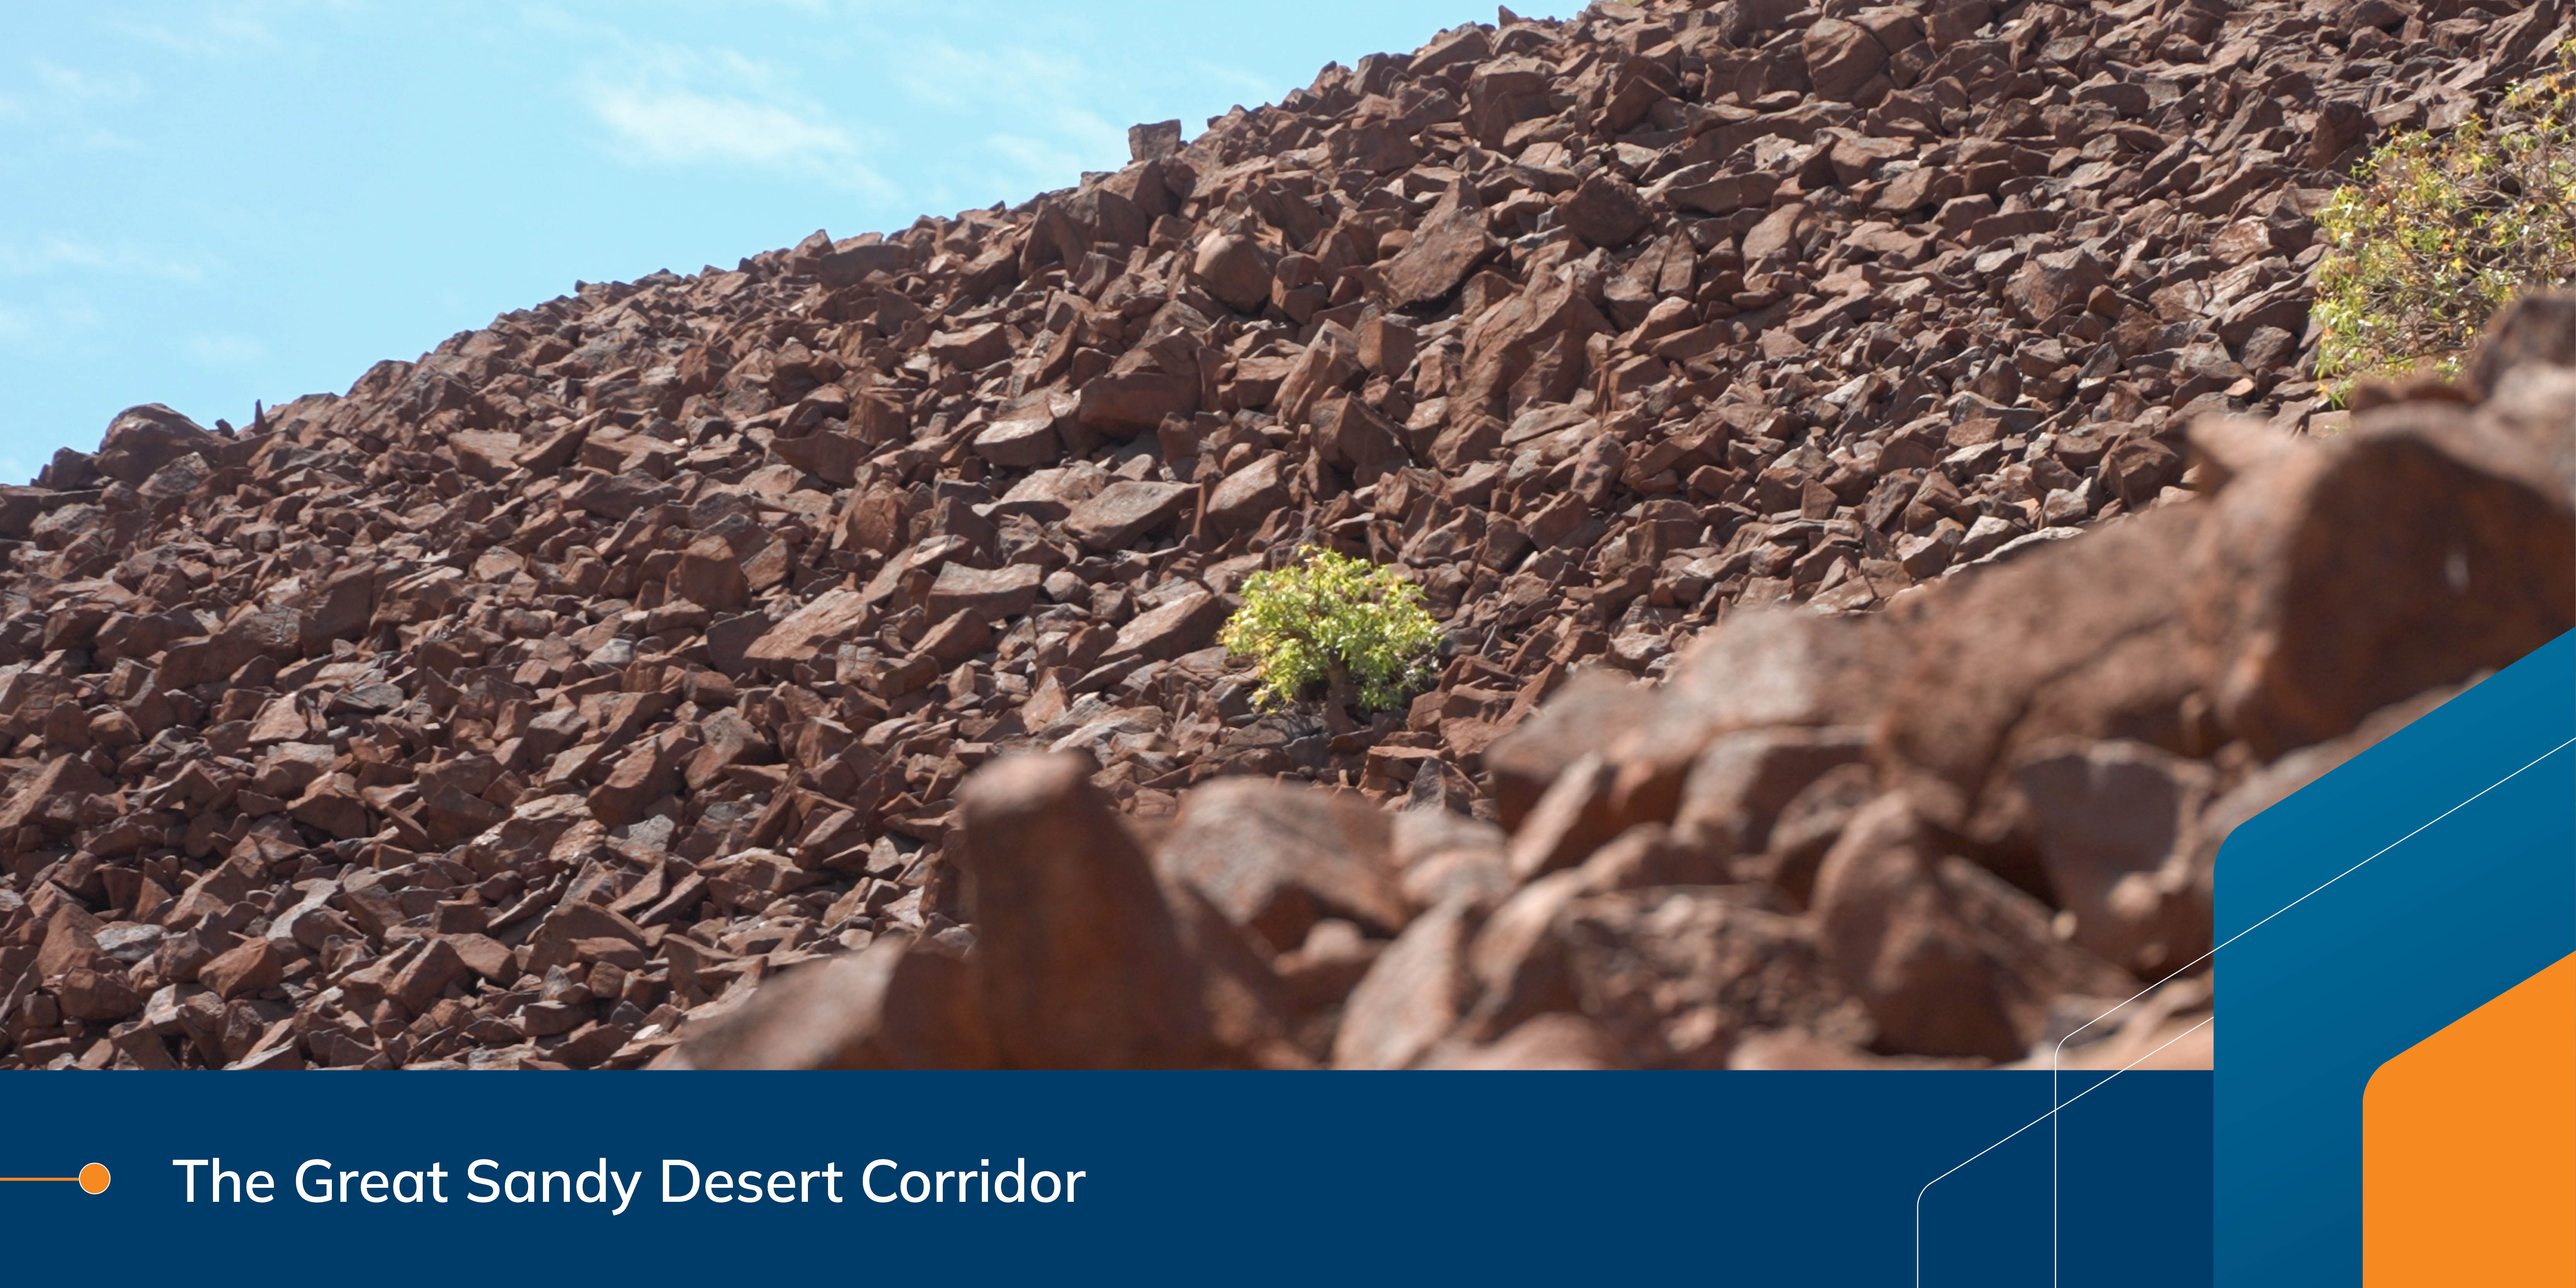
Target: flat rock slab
1126	510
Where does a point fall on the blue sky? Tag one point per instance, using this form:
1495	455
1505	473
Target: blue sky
212	201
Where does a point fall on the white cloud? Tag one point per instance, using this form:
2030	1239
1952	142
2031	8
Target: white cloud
214	39
668	106
49	255
231	28
686	127
1053	165
31	326
1047	95
1255	89
60	103
214	31
72	84
224	349
105	140
1058	87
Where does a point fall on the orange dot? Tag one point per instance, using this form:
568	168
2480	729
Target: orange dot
93	1178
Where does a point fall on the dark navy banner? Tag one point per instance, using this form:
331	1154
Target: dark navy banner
1756	1178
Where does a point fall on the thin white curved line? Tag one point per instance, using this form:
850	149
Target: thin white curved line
1927	1185
2057	1055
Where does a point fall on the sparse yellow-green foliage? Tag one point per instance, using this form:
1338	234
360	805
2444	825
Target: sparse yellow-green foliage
1330	617
2434	233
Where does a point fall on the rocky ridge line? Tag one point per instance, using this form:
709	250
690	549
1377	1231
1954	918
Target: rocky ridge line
531	702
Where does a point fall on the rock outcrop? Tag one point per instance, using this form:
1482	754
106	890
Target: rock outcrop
1865	460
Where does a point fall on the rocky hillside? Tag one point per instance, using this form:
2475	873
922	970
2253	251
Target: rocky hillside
1728	376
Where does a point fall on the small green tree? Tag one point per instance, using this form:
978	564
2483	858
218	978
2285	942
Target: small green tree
1333	620
2434	234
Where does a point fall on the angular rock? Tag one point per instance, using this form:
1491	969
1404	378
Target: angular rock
1185	625
1450	243
1947	960
895	1005
2032	650
2411	553
1007	591
1126	510
1019	443
834	615
1234	269
1412	997
1082	966
1604	210
1757	669
1277	859
253	966
1248	496
1592	711
2117	825
1125	404
1677	975
1742	781
1844	62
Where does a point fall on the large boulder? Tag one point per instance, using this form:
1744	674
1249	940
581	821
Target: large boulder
1758	668
142	440
1948	960
2083	638
2419	549
1414	994
2117	826
1447	245
1234	269
1275	859
1082	965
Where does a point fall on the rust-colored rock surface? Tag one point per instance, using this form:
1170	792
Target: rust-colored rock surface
1865	462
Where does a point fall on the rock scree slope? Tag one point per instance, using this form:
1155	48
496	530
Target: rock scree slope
1864	459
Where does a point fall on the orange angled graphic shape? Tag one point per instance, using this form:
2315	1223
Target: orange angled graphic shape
2469	1147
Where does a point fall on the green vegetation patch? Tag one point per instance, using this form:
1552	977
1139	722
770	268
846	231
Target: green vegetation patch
1330	619
2434	233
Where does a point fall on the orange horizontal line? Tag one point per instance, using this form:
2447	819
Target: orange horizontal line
39	1178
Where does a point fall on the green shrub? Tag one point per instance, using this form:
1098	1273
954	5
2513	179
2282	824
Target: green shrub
2433	234
1331	619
